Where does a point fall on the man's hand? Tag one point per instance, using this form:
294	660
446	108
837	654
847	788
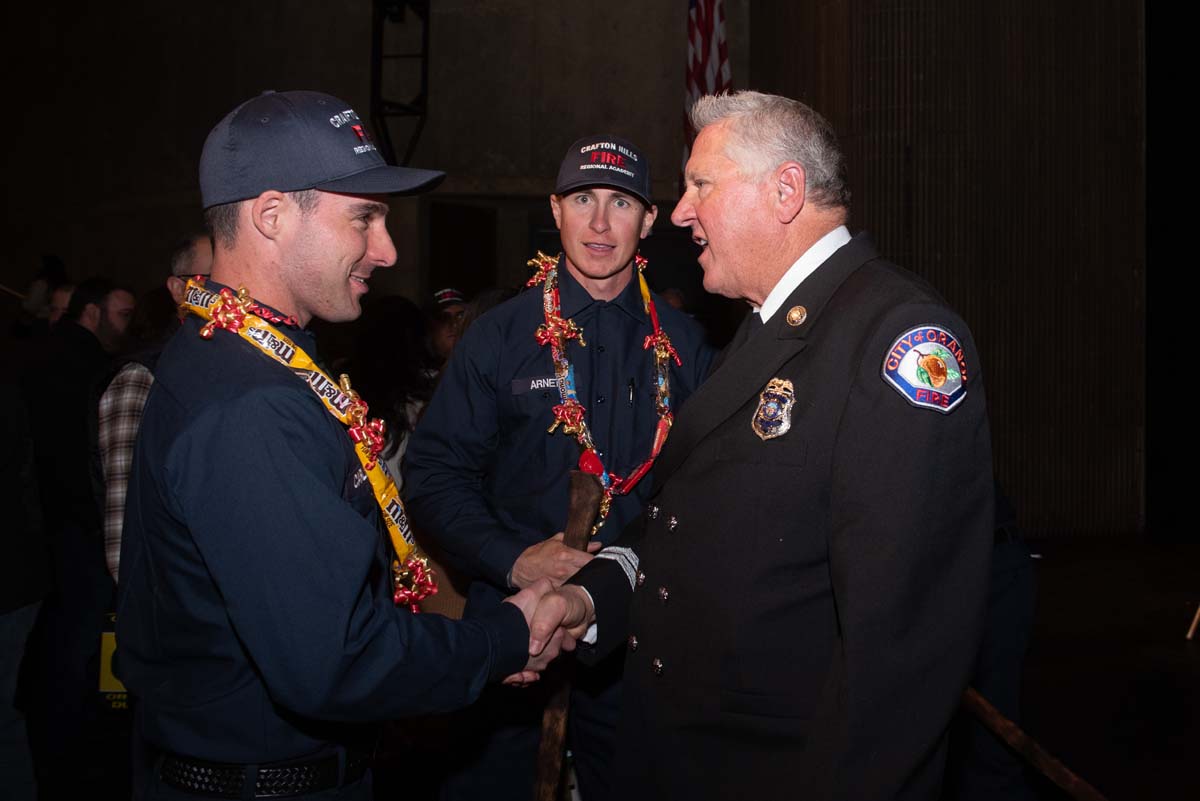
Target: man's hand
550	559
527	601
567	611
556	620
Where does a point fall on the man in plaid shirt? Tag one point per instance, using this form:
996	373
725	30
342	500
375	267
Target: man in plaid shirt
121	405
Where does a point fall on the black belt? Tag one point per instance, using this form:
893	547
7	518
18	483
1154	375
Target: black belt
271	779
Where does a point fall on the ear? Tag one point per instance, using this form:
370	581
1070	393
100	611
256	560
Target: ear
648	220
556	209
269	212
788	183
89	318
176	286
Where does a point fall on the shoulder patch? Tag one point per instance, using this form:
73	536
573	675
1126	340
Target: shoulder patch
927	365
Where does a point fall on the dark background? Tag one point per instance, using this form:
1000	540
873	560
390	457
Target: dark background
998	149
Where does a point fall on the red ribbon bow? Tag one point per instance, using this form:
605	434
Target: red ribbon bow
659	339
569	415
421	581
557	327
228	313
373	433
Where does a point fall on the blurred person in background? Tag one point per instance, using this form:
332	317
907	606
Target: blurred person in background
60	299
389	366
483	302
66	723
24	582
40	306
122	400
445	324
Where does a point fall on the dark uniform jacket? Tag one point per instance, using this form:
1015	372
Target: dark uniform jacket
805	609
255	618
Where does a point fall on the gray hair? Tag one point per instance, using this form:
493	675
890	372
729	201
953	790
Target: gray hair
767	130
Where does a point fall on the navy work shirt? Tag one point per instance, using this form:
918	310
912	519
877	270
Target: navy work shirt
255	619
483	477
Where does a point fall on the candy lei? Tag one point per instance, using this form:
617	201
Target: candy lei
239	314
569	413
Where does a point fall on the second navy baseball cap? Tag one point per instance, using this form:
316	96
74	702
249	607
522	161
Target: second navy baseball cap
291	141
604	160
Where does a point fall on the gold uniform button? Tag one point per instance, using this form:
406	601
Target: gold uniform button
657	666
663	594
652	512
796	316
672	523
641	577
633	643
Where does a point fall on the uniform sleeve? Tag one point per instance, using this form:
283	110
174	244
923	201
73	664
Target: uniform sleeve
120	414
912	517
609	580
299	571
450	453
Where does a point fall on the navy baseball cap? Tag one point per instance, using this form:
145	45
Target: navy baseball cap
448	297
605	161
291	141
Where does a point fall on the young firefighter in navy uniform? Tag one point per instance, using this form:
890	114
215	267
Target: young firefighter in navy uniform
260	622
586	347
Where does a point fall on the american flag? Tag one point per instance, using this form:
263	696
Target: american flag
707	62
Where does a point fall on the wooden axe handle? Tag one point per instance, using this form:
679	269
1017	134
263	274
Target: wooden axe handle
1027	747
582	508
586	492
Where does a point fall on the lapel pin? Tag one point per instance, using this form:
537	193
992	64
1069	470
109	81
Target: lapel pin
796	315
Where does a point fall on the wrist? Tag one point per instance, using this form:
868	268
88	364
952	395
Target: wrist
582	600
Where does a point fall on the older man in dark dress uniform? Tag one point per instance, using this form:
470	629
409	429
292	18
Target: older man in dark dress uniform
801	602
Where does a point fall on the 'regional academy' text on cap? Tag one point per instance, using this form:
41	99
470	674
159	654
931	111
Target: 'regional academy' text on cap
291	141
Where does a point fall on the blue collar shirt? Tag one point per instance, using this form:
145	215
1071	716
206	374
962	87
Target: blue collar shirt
483	477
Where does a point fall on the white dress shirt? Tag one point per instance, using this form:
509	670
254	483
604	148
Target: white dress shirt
803	267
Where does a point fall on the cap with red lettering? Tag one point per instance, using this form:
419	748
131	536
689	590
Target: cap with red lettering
291	141
448	297
605	161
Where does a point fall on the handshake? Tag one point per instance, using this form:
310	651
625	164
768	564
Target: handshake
557	619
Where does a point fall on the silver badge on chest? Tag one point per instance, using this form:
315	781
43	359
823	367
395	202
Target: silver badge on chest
773	417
